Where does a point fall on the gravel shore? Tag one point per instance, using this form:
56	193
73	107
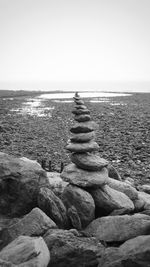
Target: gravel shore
123	134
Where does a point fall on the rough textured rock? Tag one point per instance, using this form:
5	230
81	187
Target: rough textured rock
145	188
82	118
82	147
123	187
53	207
35	223
87	161
56	183
146	198
20	180
26	252
113	173
70	250
84	178
82	137
82	201
119	228
6	264
83	127
138	204
133	253
108	199
74	218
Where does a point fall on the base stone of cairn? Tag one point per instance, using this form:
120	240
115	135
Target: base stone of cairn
87	169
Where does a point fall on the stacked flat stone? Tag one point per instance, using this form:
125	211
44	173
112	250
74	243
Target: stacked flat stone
87	168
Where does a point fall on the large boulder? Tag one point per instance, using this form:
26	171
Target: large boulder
56	183
35	223
119	228
70	249
20	180
123	187
82	178
107	199
88	161
134	252
53	207
82	201
26	251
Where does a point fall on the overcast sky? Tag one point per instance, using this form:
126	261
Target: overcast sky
43	41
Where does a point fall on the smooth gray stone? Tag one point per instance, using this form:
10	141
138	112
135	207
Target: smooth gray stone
87	161
82	118
79	102
82	178
82	147
83	127
80	111
82	137
80	107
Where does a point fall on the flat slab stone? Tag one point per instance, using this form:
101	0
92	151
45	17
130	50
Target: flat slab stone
80	107
82	118
80	111
82	137
82	178
83	147
79	102
83	127
87	161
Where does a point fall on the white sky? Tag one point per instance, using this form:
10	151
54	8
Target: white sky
59	41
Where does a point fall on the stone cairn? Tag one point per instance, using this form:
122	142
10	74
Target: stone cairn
87	168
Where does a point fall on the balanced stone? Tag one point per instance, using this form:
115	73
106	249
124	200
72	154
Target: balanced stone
79	102
82	147
83	127
82	118
80	107
82	178
86	161
82	137
80	111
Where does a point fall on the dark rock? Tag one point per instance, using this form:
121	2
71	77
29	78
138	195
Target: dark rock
70	250
83	127
80	111
87	161
74	218
26	251
83	178
119	228
53	207
81	107
82	147
35	223
82	137
82	118
20	180
82	201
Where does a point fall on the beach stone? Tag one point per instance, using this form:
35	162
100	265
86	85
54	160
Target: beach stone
82	118
82	201
53	207
74	218
80	111
26	251
138	204
20	180
146	198
82	178
79	102
134	252
123	187
107	199
87	161
83	127
144	188
35	223
72	250
82	137
113	173
119	228
6	264
82	147
80	107
56	183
